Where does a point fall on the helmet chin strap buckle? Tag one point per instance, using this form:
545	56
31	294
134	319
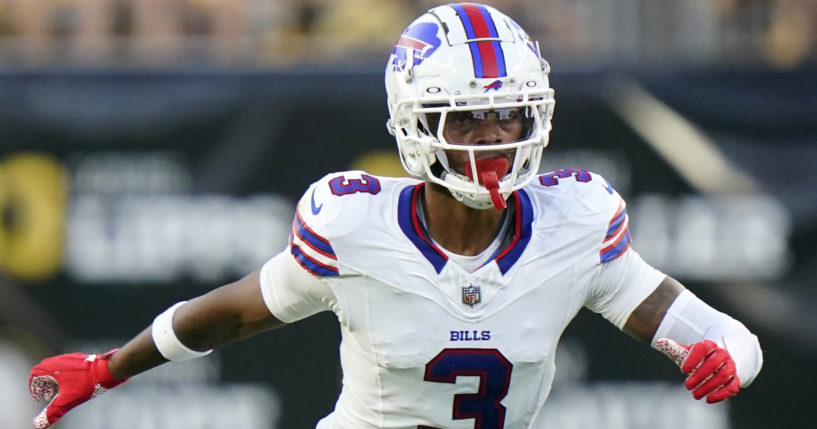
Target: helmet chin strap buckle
489	171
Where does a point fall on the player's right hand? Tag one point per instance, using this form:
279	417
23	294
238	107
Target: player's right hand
711	370
67	381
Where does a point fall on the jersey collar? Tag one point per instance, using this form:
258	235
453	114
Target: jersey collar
505	257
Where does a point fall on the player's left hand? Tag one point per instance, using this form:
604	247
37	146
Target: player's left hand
710	368
67	381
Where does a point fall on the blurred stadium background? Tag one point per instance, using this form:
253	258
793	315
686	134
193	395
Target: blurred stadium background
151	150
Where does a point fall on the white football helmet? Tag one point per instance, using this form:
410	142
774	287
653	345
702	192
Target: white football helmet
469	63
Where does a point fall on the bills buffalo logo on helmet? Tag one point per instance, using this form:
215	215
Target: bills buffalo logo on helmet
419	40
495	85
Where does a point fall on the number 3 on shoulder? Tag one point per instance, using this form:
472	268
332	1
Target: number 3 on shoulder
552	179
343	186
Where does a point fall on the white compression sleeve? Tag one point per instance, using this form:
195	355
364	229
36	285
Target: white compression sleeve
690	320
165	338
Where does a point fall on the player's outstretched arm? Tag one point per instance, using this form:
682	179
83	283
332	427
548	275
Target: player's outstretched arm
718	353
185	331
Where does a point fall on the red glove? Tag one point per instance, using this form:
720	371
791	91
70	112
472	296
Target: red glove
710	368
67	381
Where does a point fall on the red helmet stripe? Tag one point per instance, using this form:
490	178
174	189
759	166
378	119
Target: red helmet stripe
489	60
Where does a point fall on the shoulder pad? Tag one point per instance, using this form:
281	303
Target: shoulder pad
590	193
330	207
593	190
334	204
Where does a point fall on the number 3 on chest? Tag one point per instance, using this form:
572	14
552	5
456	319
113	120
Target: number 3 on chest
494	372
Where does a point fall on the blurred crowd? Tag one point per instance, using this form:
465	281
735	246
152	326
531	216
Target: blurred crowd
781	33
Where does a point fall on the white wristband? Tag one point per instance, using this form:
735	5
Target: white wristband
165	338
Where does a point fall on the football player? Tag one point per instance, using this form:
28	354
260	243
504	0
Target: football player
451	288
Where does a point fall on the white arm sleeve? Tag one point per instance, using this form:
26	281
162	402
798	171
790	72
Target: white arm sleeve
290	292
621	285
690	320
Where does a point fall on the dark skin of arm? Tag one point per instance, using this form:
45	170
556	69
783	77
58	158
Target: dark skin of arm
644	320
224	315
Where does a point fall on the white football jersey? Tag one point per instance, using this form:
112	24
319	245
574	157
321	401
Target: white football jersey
427	344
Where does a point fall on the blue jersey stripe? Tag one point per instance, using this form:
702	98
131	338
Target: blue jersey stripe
523	231
407	219
615	224
309	236
610	253
311	265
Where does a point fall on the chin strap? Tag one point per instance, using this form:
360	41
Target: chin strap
489	172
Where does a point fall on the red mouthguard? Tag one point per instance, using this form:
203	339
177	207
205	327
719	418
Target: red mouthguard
489	172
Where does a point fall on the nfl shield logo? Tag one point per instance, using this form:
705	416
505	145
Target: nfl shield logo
470	295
